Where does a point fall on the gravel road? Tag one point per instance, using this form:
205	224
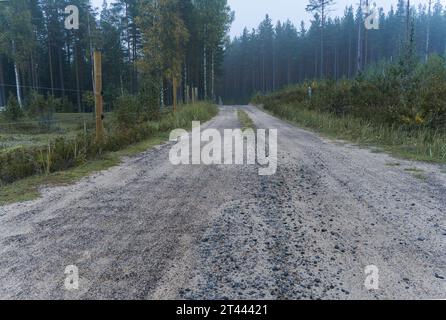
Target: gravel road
149	230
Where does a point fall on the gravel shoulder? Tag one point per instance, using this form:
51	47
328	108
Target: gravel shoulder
149	230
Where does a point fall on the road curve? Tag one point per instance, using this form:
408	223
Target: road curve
149	230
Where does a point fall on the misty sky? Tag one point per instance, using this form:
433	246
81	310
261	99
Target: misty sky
250	12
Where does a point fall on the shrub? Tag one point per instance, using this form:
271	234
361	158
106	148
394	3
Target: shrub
65	106
431	107
88	101
43	109
401	108
128	112
13	112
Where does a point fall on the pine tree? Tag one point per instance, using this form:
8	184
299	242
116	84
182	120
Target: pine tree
16	39
322	7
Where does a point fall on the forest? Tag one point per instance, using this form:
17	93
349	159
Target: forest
160	61
390	93
151	47
330	47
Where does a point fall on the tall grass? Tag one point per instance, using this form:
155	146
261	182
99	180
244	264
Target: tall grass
422	144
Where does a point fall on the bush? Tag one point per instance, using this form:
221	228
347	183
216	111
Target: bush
17	164
431	96
13	112
128	112
65	106
401	108
88	101
390	94
43	109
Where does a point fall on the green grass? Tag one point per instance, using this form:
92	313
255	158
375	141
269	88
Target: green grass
421	145
245	120
28	188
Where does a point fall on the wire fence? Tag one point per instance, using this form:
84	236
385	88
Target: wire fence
46	89
43	130
46	128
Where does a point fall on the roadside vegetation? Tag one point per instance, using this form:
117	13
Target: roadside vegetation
150	84
79	148
28	188
400	107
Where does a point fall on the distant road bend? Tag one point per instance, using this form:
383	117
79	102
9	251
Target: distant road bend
149	230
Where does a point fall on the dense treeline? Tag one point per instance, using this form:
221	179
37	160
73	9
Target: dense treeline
270	57
152	48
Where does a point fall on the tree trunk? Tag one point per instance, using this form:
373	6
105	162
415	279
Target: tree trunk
185	89
359	56
212	77
122	85
428	33
76	58
174	93
17	81
61	74
162	94
2	83
408	21
263	74
349	56
274	66
17	76
366	39
205	84
91	52
33	72
51	66
134	57
336	64
322	40
129	45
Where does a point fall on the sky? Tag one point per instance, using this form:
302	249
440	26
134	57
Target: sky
249	13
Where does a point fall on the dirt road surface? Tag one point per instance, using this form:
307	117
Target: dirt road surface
149	230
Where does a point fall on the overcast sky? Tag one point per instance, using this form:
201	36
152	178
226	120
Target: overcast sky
250	12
